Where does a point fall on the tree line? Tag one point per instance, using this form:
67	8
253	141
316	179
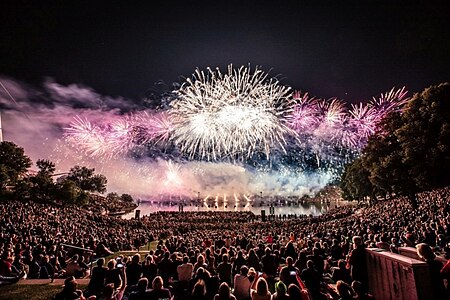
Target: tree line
74	187
409	153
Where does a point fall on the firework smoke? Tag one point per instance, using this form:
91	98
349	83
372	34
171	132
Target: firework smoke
237	133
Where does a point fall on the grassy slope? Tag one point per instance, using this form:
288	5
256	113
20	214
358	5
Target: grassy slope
46	291
31	291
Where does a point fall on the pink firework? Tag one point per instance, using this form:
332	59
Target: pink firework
152	128
304	115
119	137
88	137
390	101
363	119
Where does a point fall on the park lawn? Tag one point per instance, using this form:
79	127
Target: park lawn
22	291
142	250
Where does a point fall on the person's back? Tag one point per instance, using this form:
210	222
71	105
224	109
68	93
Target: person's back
70	291
424	251
139	295
112	274
357	262
185	270
165	267
288	273
98	276
360	293
280	292
199	291
134	271
34	270
238	263
242	284
260	290
224	270
224	293
158	294
149	269
142	293
268	263
336	251
341	272
5	267
311	278
158	291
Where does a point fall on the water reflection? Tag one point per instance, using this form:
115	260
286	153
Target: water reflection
226	203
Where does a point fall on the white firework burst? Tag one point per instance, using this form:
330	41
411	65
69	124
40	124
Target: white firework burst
233	114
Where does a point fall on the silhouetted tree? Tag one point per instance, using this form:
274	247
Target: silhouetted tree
126	198
85	179
13	163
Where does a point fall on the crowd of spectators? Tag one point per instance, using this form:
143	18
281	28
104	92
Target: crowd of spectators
221	255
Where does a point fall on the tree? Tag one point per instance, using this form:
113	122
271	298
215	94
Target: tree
43	186
127	198
67	191
425	137
98	183
355	183
85	179
46	167
70	193
411	151
22	189
383	158
13	163
113	196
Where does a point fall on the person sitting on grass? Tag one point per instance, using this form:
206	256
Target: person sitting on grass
142	292
158	291
224	293
70	291
109	293
262	289
280	292
97	281
8	273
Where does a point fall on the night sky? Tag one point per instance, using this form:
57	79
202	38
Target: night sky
351	50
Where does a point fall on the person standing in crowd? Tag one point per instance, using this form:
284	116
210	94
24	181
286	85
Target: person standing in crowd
199	291
149	268
357	261
185	270
97	282
425	253
134	270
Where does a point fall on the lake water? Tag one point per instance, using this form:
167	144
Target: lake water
281	207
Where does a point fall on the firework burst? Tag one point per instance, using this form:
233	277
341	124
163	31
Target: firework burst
240	115
233	114
118	135
324	123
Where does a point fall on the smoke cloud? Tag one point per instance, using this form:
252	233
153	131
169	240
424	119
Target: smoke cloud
35	117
